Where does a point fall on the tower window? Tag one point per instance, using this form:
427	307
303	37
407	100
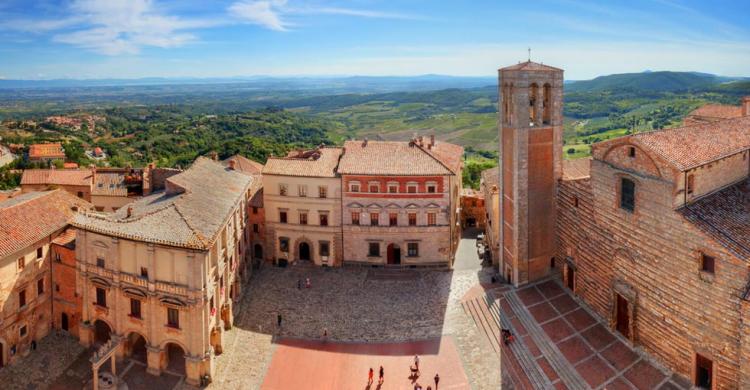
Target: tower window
708	263
533	109
547	105
627	194
631	151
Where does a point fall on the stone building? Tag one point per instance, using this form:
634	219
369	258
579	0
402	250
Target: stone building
488	185
46	152
302	206
400	202
256	216
159	276
716	112
473	213
77	182
29	224
530	121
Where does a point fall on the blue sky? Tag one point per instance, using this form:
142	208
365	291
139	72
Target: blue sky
185	38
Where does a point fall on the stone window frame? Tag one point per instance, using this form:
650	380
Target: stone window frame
323	216
409	249
21	263
375	184
284	248
283	189
432	218
322	191
170	323
285	213
433	185
391	219
302	190
302	217
392	184
371	252
356	217
412	184
355	186
374	216
324	244
415	220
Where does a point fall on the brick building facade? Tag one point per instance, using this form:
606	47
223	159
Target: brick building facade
473	213
66	305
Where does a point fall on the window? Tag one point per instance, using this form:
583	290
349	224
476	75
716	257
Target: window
374	249
173	317
323	219
58	258
283	244
283	189
80	194
57	287
101	297
282	216
631	151
411	188
100	262
374	219
135	308
255	210
144	272
256	228
302	190
412	219
40	287
322	191
627	194
690	184
393	188
431	219
99	208
355	217
324	248
23	331
21	263
393	219
575	201
374	187
708	263
303	218
21	298
39	253
354	186
412	249
432	188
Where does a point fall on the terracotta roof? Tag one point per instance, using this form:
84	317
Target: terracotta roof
70	165
321	162
692	146
257	199
400	158
66	239
190	213
109	184
577	169
62	177
531	66
53	150
245	165
725	216
717	111
491	177
28	218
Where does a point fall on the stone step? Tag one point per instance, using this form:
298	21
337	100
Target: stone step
556	359
481	323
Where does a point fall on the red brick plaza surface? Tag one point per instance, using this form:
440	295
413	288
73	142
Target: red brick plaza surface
304	364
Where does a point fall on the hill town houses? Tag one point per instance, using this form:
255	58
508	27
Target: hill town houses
651	234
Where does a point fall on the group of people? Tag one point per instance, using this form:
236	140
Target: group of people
414	372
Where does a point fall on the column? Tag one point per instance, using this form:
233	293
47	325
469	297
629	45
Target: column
154	360
197	366
217	338
96	378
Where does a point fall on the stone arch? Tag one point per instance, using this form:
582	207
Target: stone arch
164	343
546	103
653	166
102	331
533	106
175	356
135	346
258	250
303	240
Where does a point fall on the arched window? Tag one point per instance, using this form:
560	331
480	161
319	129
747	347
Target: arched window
547	105
533	113
506	105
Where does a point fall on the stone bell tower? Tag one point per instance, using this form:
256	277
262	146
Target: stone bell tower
531	127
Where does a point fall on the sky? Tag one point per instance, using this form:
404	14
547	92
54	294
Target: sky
46	39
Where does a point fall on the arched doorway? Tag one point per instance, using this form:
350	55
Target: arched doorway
135	347
258	251
64	321
394	254
304	251
175	356
102	333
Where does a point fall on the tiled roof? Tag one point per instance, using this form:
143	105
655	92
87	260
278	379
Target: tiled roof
52	150
66	239
725	216
491	177
190	213
718	111
577	169
245	165
109	184
323	166
257	199
399	158
28	218
532	66
692	146
62	177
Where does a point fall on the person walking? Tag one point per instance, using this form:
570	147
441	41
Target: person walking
369	376
307	283
437	380
416	362
380	380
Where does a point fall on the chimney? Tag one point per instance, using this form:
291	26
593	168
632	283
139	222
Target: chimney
746	106
213	156
432	140
232	164
364	143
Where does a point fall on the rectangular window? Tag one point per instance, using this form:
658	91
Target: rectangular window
283	189
412	249
374	187
58	258
325	248
39	253
144	272
173	317
135	308
256	228
393	188
412	219
374	249
40	287
354	187
283	244
21	263
631	151
255	210
355	218
23	331
432	188
21	298
393	219
690	184
101	297
100	262
627	194
708	263
302	190
374	219
303	218
323	219
282	216
322	191
411	188
431	219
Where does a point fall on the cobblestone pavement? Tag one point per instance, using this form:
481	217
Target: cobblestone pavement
38	370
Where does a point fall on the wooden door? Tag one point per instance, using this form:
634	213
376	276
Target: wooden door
64	321
571	282
704	369
623	316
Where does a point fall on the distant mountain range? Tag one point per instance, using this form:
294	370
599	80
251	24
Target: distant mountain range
663	81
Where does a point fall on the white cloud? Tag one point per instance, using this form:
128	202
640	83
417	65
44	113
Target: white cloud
266	13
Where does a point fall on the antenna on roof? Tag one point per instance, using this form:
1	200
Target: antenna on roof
529	54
